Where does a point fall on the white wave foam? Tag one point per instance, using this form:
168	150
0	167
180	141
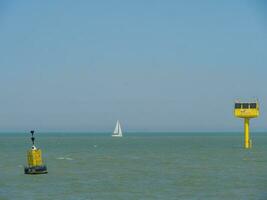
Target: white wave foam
64	158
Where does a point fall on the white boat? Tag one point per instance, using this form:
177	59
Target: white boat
117	131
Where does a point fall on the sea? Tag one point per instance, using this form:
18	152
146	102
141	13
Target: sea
183	166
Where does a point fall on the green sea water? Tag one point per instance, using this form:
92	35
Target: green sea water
137	166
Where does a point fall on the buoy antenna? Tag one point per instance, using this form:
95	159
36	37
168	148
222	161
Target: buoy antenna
32	138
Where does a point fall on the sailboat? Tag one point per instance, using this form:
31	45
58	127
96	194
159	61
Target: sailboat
117	131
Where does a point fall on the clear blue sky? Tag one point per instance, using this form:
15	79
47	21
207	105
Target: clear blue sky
155	65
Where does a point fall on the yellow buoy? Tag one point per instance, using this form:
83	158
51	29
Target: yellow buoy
34	158
247	110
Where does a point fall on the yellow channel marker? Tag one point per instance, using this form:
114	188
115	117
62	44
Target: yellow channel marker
35	161
247	110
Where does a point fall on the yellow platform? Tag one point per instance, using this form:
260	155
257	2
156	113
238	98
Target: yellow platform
247	110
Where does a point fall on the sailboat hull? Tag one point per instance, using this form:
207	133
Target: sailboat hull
116	135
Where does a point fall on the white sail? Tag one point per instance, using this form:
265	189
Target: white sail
117	131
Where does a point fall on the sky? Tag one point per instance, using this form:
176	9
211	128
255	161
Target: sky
154	65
